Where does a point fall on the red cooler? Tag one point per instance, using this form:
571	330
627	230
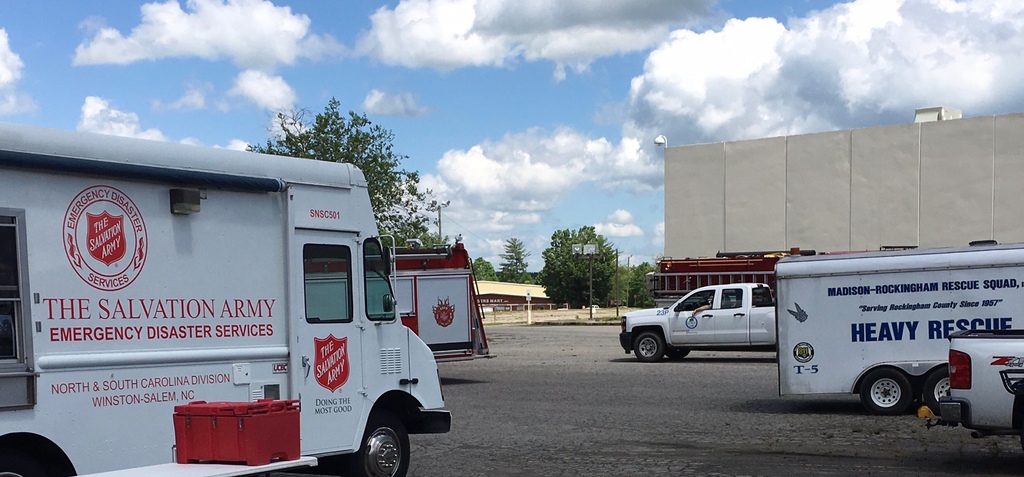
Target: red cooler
251	433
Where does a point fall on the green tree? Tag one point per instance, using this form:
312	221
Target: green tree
331	136
483	270
636	286
566	275
513	265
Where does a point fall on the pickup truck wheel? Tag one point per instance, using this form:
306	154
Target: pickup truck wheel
677	353
886	391
20	465
936	385
649	347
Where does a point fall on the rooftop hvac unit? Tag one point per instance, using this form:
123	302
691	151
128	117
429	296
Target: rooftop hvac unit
927	115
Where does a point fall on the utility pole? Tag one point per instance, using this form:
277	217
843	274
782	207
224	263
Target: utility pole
435	205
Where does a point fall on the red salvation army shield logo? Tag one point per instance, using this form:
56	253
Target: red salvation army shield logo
444	313
331	367
105	238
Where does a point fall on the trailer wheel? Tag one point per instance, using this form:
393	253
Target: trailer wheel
886	391
384	451
649	347
936	385
13	464
677	353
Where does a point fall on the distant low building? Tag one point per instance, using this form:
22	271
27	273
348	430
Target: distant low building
501	296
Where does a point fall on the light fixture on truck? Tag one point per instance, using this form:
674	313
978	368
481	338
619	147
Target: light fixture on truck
184	201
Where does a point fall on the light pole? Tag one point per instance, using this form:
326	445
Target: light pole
589	250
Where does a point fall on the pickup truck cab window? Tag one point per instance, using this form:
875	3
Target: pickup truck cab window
696	300
762	296
732	298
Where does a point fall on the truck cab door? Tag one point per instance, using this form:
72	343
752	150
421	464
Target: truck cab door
326	359
689	328
731	317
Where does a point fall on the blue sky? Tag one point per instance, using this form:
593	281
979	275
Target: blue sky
530	116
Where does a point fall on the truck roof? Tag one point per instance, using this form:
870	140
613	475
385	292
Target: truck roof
56	150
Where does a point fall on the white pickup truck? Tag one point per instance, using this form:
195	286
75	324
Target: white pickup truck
738	316
986	380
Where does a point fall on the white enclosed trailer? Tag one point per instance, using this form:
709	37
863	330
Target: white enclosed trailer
877	324
139	275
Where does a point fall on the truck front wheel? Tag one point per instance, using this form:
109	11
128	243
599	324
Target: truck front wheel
649	347
384	451
886	391
936	385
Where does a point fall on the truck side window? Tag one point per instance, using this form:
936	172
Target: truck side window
762	296
732	298
326	271
380	302
696	300
10	290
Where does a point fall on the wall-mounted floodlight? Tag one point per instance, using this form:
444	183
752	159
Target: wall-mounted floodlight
184	201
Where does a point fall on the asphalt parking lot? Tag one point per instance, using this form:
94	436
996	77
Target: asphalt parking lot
566	401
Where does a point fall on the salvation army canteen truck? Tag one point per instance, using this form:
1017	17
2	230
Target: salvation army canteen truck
140	276
877	324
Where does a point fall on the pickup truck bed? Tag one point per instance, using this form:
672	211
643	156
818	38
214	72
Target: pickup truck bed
986	376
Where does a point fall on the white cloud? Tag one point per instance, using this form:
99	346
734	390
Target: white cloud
99	117
862	63
659	235
449	34
496	187
11	101
403	104
194	98
254	34
619	224
236	145
268	92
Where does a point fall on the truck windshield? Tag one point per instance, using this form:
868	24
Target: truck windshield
380	302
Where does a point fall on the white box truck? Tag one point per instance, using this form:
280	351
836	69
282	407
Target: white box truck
877	323
139	275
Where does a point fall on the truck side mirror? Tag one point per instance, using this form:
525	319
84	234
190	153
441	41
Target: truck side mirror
388	302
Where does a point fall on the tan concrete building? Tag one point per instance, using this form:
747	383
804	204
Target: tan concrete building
926	184
501	296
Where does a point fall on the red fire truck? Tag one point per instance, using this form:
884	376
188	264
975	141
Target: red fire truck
438	299
677	277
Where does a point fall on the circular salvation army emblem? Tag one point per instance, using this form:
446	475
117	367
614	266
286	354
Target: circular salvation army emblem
803	352
105	238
